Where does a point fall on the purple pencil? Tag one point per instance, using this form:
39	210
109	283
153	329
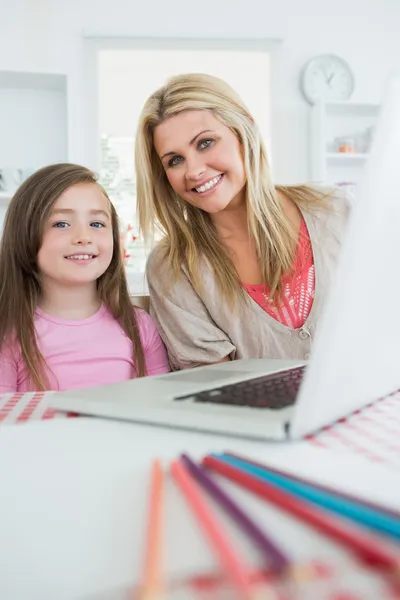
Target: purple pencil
268	547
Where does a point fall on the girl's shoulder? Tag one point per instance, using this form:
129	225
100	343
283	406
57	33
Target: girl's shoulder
143	318
145	323
10	349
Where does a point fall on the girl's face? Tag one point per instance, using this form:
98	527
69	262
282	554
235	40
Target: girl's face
202	159
77	243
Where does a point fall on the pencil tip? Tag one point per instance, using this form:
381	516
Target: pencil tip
150	594
301	572
264	592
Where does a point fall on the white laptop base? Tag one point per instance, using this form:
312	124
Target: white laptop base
355	358
154	400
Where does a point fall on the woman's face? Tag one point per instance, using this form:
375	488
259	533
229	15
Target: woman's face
202	159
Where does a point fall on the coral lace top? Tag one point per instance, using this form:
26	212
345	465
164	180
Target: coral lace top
298	287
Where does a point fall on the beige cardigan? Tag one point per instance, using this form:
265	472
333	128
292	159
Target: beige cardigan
202	329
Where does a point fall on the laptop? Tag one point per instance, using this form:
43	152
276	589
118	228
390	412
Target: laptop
356	353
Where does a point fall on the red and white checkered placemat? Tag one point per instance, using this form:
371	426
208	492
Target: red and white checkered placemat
31	406
373	432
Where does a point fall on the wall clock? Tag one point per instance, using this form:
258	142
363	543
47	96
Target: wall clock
327	78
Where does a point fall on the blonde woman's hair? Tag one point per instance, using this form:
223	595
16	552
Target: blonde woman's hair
188	231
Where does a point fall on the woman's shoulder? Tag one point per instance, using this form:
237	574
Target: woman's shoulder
167	282
322	200
157	259
332	198
328	217
160	268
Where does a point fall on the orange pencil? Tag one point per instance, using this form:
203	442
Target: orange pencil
231	562
152	587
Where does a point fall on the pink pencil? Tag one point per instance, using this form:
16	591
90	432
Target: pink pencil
232	563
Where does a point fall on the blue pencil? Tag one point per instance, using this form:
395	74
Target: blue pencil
324	487
370	517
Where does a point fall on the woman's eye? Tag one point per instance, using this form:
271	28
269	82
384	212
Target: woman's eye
175	160
97	225
61	225
203	144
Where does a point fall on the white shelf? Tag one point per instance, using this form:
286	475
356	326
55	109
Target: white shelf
354	108
343	157
332	122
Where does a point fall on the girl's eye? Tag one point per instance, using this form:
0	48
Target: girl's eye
61	224
175	160
97	225
203	144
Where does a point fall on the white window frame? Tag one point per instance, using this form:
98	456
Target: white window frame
93	44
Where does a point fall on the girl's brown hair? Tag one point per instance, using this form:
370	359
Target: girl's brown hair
20	286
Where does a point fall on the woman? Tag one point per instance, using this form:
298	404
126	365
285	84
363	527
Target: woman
244	266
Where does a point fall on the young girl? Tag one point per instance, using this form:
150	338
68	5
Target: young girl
66	319
244	267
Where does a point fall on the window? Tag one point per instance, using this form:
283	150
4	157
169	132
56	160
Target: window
127	75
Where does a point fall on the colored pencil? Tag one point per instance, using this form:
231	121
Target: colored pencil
232	563
274	555
152	587
359	512
352	497
368	547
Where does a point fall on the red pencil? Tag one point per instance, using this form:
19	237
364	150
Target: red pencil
368	547
319	486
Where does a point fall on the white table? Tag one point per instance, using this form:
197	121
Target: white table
73	502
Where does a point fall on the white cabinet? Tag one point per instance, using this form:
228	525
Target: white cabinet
33	127
33	119
340	137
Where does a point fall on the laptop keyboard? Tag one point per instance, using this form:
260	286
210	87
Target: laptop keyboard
275	390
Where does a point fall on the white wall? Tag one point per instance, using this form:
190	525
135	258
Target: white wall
40	137
246	71
46	35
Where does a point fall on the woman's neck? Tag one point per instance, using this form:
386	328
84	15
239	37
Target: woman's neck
79	302
231	222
